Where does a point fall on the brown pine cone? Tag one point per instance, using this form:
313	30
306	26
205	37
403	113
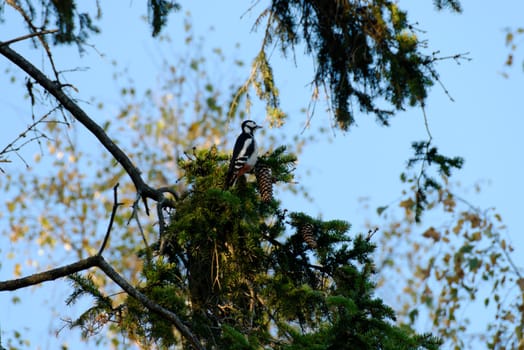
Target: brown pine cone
265	183
307	231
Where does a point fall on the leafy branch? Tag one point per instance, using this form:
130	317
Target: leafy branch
99	261
144	191
427	155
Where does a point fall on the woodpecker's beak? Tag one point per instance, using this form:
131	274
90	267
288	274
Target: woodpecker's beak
258	127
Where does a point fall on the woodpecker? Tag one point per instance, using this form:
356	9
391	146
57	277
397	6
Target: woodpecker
244	154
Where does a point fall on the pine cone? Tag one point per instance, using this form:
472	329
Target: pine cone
307	232
265	183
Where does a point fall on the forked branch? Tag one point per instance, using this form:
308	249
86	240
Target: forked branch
143	189
100	262
78	113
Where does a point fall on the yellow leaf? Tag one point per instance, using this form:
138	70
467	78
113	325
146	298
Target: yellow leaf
449	203
127	202
407	203
432	233
193	130
474	220
509	317
520	282
11	206
18	270
160	125
458	227
477	236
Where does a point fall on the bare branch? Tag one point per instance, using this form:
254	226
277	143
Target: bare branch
99	261
28	36
27	18
143	190
113	213
11	146
49	275
129	289
55	89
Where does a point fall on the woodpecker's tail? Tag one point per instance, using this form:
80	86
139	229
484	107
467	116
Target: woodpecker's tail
230	179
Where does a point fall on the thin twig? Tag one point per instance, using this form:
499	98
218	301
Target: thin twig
242	90
34	29
457	57
112	219
10	146
310	111
428	143
28	36
250	8
141	231
496	236
160	214
161	223
426	124
371	232
134	215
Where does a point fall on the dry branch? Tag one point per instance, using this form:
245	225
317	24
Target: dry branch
132	291
112	219
55	89
49	275
143	189
28	36
100	262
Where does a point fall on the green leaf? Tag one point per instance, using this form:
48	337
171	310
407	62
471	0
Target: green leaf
380	210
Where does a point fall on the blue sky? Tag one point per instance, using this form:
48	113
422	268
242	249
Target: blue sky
484	123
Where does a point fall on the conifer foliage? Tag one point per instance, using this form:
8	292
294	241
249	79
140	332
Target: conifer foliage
238	272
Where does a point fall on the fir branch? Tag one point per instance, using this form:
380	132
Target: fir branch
82	285
133	292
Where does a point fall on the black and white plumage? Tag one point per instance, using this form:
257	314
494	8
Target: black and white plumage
244	153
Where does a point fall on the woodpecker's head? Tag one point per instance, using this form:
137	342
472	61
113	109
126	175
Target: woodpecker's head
249	127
